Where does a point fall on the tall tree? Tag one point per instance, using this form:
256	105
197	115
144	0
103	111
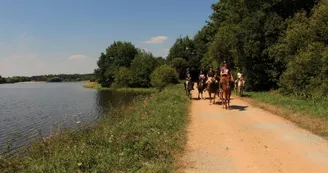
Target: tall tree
119	54
141	68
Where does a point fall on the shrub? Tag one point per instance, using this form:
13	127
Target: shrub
122	77
141	67
163	75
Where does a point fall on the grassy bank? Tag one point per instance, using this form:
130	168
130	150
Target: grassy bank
143	136
95	85
308	115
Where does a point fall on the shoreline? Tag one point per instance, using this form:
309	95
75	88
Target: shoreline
144	135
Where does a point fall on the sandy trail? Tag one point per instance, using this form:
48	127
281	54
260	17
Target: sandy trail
248	139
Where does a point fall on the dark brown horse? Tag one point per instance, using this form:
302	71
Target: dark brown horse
201	86
213	87
226	91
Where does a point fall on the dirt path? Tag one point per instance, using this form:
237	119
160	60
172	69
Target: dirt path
251	140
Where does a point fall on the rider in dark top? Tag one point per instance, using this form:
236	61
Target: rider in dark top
210	75
188	77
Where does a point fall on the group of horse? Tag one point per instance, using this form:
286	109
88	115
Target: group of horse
227	85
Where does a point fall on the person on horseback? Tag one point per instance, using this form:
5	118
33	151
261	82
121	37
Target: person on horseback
225	72
210	75
239	75
201	75
188	77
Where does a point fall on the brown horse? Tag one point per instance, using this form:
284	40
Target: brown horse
226	91
213	87
201	86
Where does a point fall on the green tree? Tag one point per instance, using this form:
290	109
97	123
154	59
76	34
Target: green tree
184	48
180	65
122	77
119	54
2	80
163	75
141	68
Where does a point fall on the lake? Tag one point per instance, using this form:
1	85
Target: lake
31	110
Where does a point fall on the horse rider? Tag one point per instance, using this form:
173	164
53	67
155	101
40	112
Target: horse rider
188	77
201	75
239	76
225	72
210	75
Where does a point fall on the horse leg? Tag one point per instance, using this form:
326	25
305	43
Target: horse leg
198	94
209	94
203	95
229	94
225	100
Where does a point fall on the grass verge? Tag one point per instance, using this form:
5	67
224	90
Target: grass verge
144	136
95	85
308	115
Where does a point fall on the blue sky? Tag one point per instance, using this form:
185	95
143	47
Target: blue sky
67	36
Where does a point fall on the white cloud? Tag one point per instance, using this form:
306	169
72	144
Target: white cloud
156	40
77	57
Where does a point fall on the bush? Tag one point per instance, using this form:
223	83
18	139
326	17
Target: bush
163	75
306	76
141	68
122	78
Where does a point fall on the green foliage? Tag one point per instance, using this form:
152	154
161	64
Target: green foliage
123	58
64	77
180	65
304	51
256	38
160	61
122	77
144	136
2	80
183	54
141	68
55	79
163	75
119	54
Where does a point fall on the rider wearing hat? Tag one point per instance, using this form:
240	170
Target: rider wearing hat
210	75
188	75
239	76
225	72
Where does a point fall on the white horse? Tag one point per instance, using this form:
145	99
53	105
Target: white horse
239	84
188	87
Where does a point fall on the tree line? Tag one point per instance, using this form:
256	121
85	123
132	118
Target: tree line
49	78
276	44
124	65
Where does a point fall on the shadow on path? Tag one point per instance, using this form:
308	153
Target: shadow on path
240	108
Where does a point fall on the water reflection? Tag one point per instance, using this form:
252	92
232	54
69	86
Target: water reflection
29	111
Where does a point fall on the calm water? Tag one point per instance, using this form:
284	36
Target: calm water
29	110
